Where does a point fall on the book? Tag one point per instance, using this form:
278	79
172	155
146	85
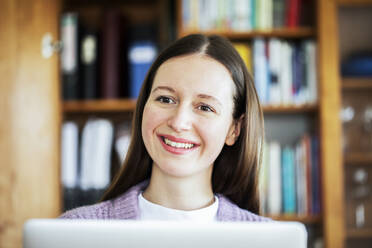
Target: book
254	14
311	76
241	20
70	56
111	54
69	154
285	77
288	179
264	179
186	14
260	69
122	140
70	164
245	53
274	196
279	7
300	180
96	147
141	55
268	15
275	64
89	63
306	142
293	12
316	207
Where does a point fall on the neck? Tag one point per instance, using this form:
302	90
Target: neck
182	193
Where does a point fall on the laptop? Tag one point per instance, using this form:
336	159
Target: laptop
57	233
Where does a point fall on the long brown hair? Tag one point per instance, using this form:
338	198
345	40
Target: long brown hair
235	171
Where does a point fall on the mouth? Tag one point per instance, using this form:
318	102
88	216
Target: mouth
175	145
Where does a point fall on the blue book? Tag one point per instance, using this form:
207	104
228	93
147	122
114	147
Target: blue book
288	181
141	56
359	65
315	174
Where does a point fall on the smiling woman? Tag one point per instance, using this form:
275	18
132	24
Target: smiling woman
196	145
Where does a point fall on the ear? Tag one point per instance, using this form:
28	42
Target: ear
234	131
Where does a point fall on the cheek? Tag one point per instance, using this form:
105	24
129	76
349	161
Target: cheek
150	120
214	134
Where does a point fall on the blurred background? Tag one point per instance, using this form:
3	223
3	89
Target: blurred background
71	71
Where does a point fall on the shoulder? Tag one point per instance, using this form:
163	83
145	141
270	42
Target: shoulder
124	206
228	211
100	210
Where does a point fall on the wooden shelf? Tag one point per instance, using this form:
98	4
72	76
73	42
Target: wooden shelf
306	219
122	105
355	2
128	105
351	83
301	32
358	158
290	109
359	233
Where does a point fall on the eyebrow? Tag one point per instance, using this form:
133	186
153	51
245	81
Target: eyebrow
203	96
164	88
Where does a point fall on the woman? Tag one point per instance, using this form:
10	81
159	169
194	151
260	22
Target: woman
196	140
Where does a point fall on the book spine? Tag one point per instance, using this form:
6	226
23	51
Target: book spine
311	71
70	164
315	174
274	65
186	14
89	68
275	189
264	179
288	179
308	167
141	55
110	87
278	13
261	70
70	56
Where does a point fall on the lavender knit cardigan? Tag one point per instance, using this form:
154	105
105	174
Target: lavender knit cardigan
125	206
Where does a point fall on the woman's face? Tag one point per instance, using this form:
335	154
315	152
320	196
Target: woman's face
187	118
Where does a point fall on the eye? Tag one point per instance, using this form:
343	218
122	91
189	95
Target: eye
206	108
165	99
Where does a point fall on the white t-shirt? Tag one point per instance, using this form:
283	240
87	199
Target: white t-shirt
152	211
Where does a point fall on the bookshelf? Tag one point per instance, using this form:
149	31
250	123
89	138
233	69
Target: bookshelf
324	112
356	158
31	91
357	83
119	105
283	109
355	3
359	234
308	219
128	105
300	32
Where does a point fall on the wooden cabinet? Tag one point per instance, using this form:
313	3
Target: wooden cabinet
355	38
30	117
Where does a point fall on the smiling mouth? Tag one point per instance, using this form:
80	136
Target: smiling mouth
177	144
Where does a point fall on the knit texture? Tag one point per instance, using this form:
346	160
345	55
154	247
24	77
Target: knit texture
125	206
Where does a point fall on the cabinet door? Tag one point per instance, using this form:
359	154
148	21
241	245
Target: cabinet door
29	117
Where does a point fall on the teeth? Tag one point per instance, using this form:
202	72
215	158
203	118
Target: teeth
178	145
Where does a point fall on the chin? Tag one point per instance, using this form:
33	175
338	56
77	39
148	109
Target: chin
179	170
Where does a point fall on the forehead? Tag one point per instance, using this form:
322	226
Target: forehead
195	73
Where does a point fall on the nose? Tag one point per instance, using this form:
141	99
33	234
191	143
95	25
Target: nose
181	119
